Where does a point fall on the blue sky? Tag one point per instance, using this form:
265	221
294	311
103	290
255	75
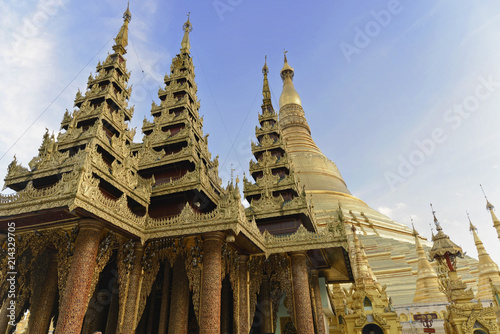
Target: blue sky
402	95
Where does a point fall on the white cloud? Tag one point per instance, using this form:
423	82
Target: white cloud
28	70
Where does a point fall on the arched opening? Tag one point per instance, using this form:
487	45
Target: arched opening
367	303
480	331
372	329
103	306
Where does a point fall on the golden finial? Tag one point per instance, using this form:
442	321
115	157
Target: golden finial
288	95
187	27
489	206
265	69
436	222
415	233
266	92
287	70
471	226
127	16
121	40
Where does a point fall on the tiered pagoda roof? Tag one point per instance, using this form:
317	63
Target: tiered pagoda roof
276	191
168	184
174	149
91	159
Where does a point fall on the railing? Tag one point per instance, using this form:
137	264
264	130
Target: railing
412	330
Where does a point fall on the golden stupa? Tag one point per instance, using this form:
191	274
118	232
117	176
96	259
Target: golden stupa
390	245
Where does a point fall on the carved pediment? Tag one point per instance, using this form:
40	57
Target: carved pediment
16	169
267	202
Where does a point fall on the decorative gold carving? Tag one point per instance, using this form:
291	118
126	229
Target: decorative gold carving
267	202
277	268
359	322
231	267
148	155
481	316
379	319
65	257
15	169
128	256
125	260
30	247
151	265
266	128
333	236
256	270
193	259
104	253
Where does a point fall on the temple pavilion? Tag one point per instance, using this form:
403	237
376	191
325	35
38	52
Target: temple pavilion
117	236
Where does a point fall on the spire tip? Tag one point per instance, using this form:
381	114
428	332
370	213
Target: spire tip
471	226
127	16
265	69
121	40
436	222
489	206
415	233
188	27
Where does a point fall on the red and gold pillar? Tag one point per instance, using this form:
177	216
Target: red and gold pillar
211	283
301	296
179	307
74	302
41	307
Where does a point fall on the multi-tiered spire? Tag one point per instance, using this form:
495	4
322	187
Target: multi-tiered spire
427	290
174	148
443	249
266	91
367	299
488	270
96	135
276	191
463	314
364	274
